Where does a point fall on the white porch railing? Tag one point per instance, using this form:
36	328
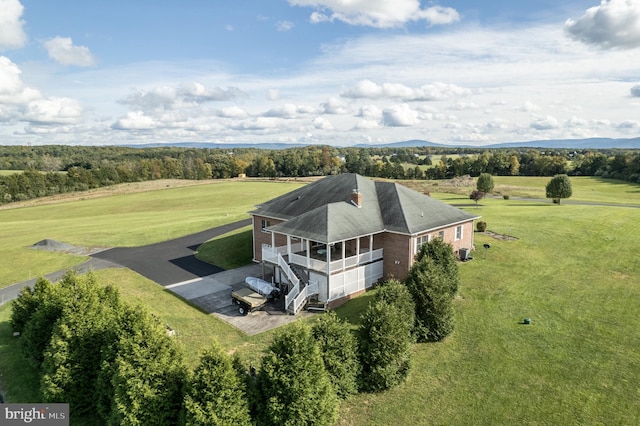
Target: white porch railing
290	297
303	296
269	254
272	255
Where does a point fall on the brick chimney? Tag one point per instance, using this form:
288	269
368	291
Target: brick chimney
356	198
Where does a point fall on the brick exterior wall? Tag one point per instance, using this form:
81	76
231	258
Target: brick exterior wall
397	254
260	237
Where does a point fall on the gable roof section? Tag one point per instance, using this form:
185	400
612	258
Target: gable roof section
322	211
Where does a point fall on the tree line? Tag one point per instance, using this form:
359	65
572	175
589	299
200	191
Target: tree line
51	170
115	363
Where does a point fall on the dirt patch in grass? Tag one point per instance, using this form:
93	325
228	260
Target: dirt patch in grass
60	247
499	236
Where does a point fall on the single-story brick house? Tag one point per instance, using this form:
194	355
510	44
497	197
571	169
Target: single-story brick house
334	238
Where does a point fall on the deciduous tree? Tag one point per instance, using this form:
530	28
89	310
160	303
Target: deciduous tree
559	187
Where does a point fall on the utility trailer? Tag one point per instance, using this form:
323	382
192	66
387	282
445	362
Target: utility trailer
247	300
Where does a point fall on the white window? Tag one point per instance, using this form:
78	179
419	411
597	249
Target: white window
420	241
265	224
458	232
441	235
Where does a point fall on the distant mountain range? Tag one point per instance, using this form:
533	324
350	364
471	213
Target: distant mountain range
590	143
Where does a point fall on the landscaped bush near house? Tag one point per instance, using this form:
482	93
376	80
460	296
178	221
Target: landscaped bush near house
396	293
293	387
481	226
430	286
385	347
339	349
505	197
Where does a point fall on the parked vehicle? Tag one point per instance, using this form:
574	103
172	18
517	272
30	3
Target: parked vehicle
247	300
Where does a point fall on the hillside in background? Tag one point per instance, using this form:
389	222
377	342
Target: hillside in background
589	143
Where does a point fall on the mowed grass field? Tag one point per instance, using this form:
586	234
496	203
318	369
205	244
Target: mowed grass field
157	213
572	270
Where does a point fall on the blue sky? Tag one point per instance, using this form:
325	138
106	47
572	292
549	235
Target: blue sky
337	72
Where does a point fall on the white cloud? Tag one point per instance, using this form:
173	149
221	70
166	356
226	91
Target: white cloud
322	123
377	13
12	35
284	26
289	111
186	94
54	111
529	106
335	106
545	123
62	50
429	92
233	112
635	91
399	116
135	120
612	24
12	90
273	94
370	112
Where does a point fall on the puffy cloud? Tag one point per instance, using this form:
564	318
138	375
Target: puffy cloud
62	50
370	112
545	123
635	91
322	123
529	106
12	90
165	97
289	111
233	112
12	36
377	13
135	120
628	125
612	24
54	111
428	92
399	116
335	106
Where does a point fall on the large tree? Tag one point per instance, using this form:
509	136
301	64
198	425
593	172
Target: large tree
485	183
559	187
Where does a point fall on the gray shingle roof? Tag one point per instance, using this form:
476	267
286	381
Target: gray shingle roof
322	211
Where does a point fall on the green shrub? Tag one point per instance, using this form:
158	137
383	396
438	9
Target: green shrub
505	196
293	387
385	347
481	226
430	285
215	392
339	350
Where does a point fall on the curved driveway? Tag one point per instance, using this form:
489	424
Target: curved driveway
166	263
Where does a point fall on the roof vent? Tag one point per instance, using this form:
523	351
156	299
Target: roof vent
356	198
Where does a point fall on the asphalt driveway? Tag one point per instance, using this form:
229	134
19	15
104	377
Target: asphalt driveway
172	261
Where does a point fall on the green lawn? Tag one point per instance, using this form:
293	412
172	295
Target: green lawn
573	270
121	220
